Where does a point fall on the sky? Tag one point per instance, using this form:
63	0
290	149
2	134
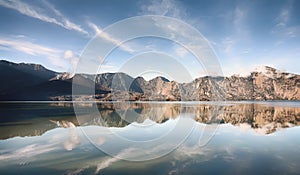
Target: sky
242	34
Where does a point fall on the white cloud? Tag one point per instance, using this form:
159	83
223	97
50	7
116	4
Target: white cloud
283	17
38	13
240	22
106	163
282	26
28	47
278	43
53	54
19	36
233	46
74	140
181	51
68	54
286	31
100	33
165	8
228	44
72	58
28	151
246	51
238	19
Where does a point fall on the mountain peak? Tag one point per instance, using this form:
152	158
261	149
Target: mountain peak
272	72
31	66
7	62
160	78
30	81
265	69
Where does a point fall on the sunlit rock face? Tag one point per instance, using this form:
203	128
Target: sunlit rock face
271	84
264	84
239	88
38	83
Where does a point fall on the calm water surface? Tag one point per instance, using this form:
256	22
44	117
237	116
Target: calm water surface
193	137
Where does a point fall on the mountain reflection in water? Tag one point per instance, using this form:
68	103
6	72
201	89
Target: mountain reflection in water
30	119
251	138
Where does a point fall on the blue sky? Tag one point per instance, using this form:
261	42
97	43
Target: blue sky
244	34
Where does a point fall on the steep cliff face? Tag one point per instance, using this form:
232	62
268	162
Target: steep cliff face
271	84
238	88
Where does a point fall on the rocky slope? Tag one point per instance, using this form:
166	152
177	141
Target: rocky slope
34	82
269	84
15	77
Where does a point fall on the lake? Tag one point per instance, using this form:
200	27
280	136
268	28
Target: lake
150	138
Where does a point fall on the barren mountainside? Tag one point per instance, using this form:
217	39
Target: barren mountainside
34	82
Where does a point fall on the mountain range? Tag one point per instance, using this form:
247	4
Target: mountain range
34	82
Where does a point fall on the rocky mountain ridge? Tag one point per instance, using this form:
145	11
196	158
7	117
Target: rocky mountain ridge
34	82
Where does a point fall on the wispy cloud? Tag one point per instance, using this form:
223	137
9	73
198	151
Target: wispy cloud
239	18
231	44
180	51
53	54
28	151
39	13
228	44
284	16
100	33
28	47
164	8
283	26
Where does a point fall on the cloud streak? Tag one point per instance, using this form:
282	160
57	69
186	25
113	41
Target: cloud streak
239	18
100	33
164	8
53	54
38	13
28	151
28	47
282	26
